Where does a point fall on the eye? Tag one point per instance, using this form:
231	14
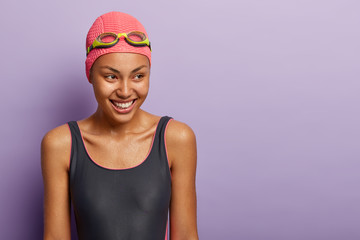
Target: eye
110	77
139	76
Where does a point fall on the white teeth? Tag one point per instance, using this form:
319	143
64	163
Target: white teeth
123	105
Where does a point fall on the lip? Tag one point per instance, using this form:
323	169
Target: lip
120	101
120	110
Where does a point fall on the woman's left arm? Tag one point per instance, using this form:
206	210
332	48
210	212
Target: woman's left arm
182	155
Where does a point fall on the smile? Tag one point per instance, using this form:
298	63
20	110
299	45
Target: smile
123	107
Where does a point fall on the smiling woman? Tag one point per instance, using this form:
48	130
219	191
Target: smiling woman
123	169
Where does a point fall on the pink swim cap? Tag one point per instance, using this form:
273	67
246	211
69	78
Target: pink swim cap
116	22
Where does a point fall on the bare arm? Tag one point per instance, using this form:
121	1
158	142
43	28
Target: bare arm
55	153
182	154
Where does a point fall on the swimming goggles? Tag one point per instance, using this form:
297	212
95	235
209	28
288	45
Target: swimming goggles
109	39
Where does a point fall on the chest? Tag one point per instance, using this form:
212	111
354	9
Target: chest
119	153
135	200
105	171
144	188
126	198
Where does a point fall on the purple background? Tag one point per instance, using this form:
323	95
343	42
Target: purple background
271	89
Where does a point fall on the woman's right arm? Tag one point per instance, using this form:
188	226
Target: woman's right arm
55	154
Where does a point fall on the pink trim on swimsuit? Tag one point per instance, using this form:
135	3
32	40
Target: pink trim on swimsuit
167	124
166	233
70	147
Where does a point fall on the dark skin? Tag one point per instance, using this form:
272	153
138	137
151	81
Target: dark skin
120	77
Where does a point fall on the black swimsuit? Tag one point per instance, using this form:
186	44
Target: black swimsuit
120	204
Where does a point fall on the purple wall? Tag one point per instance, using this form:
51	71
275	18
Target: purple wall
271	89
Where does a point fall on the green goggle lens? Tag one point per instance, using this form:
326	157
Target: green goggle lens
136	37
106	38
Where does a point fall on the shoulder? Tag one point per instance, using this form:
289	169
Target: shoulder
179	132
181	142
56	146
57	137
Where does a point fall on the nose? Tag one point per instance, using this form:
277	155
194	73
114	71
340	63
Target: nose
124	89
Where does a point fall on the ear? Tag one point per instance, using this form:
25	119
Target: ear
90	77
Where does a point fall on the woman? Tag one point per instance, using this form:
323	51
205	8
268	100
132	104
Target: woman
122	168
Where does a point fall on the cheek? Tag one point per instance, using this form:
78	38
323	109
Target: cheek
143	88
101	92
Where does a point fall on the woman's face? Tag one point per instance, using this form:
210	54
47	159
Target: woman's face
121	84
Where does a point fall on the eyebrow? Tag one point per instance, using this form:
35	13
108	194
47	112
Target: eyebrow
118	72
